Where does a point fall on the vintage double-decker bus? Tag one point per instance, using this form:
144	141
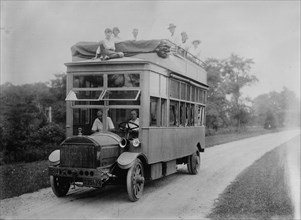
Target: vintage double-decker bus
168	93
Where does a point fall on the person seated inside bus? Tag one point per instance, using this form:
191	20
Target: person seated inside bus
134	127
106	48
98	124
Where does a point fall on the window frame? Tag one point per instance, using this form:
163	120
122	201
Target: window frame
120	89
72	94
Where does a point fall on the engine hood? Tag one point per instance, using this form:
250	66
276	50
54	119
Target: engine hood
97	139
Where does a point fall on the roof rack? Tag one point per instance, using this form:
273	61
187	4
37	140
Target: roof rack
177	50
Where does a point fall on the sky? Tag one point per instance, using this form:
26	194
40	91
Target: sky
36	36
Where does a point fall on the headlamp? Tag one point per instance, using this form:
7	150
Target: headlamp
136	142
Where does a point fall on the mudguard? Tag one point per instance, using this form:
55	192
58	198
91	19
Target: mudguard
127	159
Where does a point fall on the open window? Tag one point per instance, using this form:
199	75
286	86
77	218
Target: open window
174	113
154	113
121	95
84	95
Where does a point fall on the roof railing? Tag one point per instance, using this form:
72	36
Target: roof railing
175	49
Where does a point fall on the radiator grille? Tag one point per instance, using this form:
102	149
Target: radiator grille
80	156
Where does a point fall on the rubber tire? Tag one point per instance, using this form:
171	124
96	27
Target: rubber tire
60	185
194	162
135	189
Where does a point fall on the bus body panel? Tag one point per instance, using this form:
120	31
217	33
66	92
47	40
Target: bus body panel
164	144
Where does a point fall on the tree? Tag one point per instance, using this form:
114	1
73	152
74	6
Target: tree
217	104
236	75
270	120
225	103
284	106
21	115
58	91
23	123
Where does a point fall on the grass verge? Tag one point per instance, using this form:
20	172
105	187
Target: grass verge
259	192
17	179
225	138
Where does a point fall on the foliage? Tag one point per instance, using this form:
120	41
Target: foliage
217	104
34	176
236	75
226	78
51	133
58	91
281	108
270	121
25	132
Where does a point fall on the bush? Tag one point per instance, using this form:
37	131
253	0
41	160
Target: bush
226	130
37	146
51	134
210	132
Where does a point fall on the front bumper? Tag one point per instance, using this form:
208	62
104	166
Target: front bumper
89	177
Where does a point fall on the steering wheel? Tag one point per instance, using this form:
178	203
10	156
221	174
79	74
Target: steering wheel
125	126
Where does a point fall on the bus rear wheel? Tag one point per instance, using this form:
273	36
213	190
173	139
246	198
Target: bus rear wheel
60	185
135	181
193	164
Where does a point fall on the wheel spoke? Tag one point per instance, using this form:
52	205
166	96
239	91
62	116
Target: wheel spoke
135	190
137	170
139	187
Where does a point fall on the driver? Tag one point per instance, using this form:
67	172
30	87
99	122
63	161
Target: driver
98	124
134	119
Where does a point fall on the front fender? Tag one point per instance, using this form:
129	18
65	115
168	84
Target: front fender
127	159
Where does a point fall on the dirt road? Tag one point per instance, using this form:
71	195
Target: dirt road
179	196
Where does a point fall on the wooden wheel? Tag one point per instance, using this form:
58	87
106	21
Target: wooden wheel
135	181
193	163
60	185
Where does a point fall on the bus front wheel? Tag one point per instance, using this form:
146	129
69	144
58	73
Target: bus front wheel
135	181
60	185
193	163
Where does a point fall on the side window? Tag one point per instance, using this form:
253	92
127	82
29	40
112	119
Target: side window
188	115
163	121
183	91
193	94
174	90
123	80
188	92
192	119
173	113
183	114
200	115
153	111
88	81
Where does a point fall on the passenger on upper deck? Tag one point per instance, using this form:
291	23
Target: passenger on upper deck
195	50
106	49
174	38
135	34
98	125
184	41
116	32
